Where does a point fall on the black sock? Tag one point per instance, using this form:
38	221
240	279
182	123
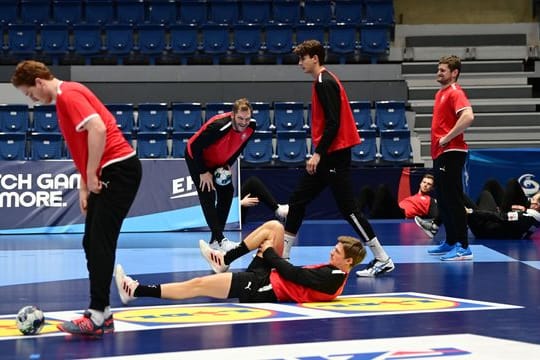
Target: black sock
235	253
148	291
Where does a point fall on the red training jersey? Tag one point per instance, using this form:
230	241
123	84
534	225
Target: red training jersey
449	102
416	205
75	106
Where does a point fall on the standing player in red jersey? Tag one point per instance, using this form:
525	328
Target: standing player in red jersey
218	143
110	177
334	133
452	115
269	277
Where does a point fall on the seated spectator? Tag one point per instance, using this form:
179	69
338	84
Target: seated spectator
382	204
497	214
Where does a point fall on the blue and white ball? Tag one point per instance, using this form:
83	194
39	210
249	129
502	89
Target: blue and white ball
30	320
222	176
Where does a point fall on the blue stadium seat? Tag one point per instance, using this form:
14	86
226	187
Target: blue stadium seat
366	151
45	146
179	142
124	114
310	32
215	108
289	115
261	113
390	115
255	11
348	11
291	147
379	11
362	114
223	11
67	11
186	117
193	12
342	40
99	12
151	41
14	117
45	119
35	11
162	11
395	145
317	12
152	145
87	41
259	149
374	41
119	40
9	12
215	40
22	40
286	11
130	11
184	41
279	40
247	40
153	117
55	41
12	146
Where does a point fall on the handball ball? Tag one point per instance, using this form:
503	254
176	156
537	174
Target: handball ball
223	176
30	320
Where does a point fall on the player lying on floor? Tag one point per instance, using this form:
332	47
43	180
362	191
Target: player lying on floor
269	278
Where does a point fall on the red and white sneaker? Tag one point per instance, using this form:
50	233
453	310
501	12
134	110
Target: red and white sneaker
126	286
214	257
83	326
108	325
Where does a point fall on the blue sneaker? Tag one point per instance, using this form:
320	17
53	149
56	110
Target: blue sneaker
458	254
441	249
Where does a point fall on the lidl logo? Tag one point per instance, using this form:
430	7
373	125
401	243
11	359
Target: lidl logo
9	328
386	303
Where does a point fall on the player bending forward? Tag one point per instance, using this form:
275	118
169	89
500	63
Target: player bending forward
269	278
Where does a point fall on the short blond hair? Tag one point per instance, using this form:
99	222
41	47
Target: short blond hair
353	249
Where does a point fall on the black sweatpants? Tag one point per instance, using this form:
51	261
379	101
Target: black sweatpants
256	188
448	168
105	213
215	204
334	171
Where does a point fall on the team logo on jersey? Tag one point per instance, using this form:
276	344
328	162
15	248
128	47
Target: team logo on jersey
383	304
529	185
192	314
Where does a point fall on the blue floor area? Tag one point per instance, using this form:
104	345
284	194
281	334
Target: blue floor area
50	271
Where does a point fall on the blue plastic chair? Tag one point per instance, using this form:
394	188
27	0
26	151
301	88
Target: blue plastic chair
119	40
124	115
12	146
289	115
215	41
179	143
184	41
35	11
186	117
55	41
14	117
286	11
87	41
396	145
366	151
153	117
261	113
390	115
259	149
223	11
45	119
46	146
247	40
342	40
99	12
193	12
162	11
317	12
310	32
9	12
22	40
255	11
279	40
215	108
291	147
362	115
130	11
374	40
379	11
152	145
67	11
151	41
348	11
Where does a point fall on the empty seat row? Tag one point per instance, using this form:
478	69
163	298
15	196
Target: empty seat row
195	11
188	117
181	43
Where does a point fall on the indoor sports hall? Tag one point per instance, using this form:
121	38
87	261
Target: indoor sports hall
164	67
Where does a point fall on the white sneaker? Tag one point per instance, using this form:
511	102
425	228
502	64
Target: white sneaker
126	286
281	212
213	257
226	245
376	268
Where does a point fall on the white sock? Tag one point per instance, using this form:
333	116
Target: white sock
107	312
288	242
97	317
377	249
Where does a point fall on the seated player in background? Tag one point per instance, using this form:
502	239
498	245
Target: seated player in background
382	204
253	192
268	278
